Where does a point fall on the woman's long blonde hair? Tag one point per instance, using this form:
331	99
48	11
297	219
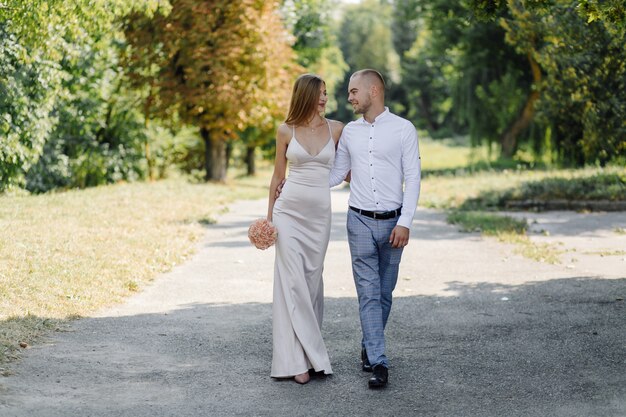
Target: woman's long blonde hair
304	99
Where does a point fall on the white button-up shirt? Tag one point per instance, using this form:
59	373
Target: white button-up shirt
382	156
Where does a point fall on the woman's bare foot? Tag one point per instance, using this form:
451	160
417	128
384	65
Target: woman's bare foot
302	378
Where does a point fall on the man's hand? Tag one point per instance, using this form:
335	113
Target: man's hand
279	189
399	237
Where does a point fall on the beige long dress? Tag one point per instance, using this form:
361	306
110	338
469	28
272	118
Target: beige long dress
302	216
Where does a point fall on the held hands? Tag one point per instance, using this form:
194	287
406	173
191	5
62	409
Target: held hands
399	237
279	189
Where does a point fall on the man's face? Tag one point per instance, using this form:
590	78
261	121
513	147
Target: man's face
359	95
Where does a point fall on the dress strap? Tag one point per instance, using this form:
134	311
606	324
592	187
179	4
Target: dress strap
293	131
330	132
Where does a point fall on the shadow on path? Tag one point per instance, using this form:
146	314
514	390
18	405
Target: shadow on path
552	348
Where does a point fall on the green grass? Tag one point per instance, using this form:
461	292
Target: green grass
506	229
67	254
457	176
494	190
607	253
487	223
471	184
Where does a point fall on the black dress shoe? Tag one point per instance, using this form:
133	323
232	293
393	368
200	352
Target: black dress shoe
365	362
316	374
379	378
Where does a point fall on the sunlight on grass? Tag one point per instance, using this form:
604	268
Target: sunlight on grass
506	229
607	253
70	253
487	223
486	189
447	192
450	155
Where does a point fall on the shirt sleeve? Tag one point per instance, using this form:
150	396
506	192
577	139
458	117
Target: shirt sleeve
341	166
411	169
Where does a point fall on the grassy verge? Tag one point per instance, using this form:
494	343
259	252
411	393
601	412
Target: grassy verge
495	190
487	223
64	255
471	185
505	229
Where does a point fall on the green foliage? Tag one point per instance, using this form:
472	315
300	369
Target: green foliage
366	40
28	88
100	135
59	124
539	76
601	186
581	187
461	76
176	149
332	68
308	21
405	24
584	93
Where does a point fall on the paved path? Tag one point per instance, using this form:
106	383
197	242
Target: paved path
476	330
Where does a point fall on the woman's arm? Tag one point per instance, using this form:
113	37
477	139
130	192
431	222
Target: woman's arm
283	136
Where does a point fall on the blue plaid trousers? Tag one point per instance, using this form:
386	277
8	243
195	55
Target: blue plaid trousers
375	266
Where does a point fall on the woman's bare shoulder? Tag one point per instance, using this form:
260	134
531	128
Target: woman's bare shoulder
336	127
335	123
284	132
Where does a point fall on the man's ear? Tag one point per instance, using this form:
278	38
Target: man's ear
374	90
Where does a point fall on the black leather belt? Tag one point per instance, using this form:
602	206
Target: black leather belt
378	215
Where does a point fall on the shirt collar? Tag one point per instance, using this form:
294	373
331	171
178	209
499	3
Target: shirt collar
378	118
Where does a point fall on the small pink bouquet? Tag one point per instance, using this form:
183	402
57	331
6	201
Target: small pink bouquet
262	234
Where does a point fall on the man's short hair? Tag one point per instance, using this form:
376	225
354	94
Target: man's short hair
372	76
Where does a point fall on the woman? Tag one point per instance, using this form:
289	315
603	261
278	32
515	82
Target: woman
307	142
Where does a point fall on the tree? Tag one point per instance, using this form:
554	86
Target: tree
581	94
460	75
308	21
366	41
35	38
576	55
218	64
316	46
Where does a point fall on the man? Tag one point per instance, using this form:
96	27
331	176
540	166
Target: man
381	152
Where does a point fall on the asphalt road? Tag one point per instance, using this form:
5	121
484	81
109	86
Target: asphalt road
475	330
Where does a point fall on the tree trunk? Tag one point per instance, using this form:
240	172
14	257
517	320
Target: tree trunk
146	146
508	139
425	106
250	161
229	153
214	157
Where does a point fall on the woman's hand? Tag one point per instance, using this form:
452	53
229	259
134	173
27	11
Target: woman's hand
279	189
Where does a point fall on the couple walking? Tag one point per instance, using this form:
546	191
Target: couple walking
379	154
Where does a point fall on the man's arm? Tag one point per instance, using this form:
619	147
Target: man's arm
411	169
341	167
